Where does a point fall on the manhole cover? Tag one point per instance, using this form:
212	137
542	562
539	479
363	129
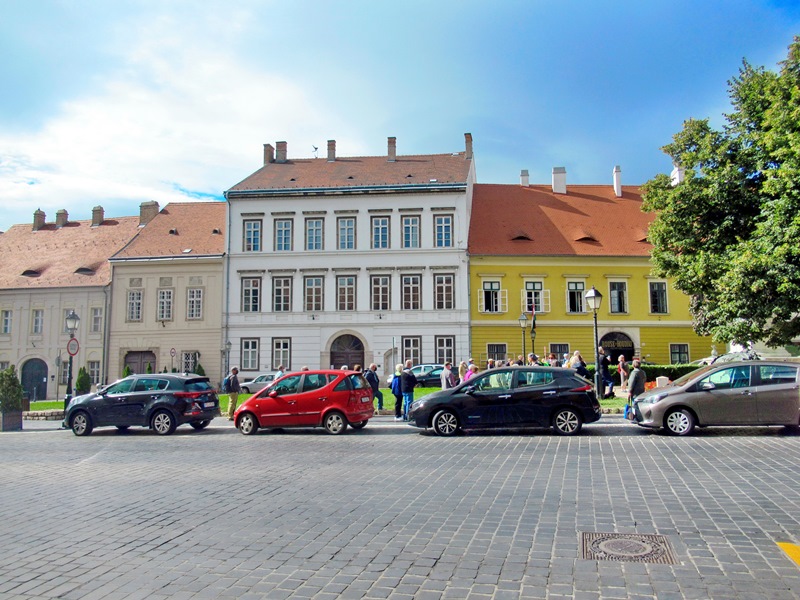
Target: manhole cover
627	547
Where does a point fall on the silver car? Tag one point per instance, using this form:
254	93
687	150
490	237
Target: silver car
733	393
257	383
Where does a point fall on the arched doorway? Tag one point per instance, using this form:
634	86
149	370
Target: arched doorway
616	343
138	361
347	350
34	379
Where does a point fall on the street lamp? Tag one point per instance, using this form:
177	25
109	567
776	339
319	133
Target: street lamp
72	321
523	323
593	300
228	347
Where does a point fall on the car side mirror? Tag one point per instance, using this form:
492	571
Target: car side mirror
273	393
470	389
708	386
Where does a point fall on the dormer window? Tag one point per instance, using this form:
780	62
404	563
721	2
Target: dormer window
30	273
84	271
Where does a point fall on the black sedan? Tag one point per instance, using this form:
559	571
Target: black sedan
511	397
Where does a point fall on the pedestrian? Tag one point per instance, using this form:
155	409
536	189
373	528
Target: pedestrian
623	368
357	368
490	363
345	368
577	363
605	373
554	362
636	383
530	359
232	388
397	392
408	382
280	372
462	371
473	368
374	381
447	378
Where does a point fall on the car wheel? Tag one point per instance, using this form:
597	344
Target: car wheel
445	423
122	428
246	390
679	422
248	424
200	425
335	423
81	423
163	423
567	422
359	425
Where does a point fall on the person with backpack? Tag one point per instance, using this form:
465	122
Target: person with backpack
230	385
397	393
374	382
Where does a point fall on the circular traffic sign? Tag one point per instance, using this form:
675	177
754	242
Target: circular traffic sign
172	352
73	346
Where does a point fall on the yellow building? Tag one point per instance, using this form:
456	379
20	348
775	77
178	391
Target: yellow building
544	247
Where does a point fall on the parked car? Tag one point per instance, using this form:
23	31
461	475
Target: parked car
728	393
161	402
727	357
258	383
421	371
511	397
327	398
432	378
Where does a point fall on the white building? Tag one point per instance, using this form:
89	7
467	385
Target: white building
346	260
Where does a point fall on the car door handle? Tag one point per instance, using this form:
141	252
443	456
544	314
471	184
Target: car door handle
550	393
746	393
291	402
504	396
322	399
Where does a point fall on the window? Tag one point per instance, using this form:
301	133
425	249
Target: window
444	292
493	299
6	324
64	374
282	294
37	321
532	297
283	235
4	364
679	354
575	296
96	324
251	294
411	349
164	310
412	292
282	353
313	294
381	292
252	236
134	305
619	297
346	292
559	350
410	232
731	378
445	348
443	227
314	229
249	354
658	297
189	361
93	369
772	375
380	232
314	381
346	233
194	303
496	351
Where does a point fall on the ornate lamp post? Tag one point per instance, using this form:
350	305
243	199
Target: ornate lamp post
593	300
228	347
523	323
72	321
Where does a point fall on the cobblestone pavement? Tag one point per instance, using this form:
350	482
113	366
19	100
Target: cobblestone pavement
390	512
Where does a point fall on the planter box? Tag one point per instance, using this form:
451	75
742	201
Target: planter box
11	421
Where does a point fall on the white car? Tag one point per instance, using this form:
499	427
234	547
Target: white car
258	383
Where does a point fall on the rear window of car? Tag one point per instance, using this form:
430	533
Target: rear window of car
528	378
147	384
775	375
197	385
314	381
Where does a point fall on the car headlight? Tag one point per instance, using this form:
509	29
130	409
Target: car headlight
653	399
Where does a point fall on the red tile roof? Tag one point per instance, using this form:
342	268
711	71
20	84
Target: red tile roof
196	227
365	171
75	255
589	220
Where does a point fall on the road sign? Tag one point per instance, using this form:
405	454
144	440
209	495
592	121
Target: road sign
172	352
73	346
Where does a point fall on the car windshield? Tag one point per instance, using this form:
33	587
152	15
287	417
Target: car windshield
682	380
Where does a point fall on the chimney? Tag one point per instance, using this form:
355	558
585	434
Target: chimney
468	141
559	180
392	149
331	150
678	174
617	178
524	178
98	216
281	157
38	219
62	217
147	211
269	154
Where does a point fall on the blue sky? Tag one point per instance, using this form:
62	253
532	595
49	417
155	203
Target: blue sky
116	103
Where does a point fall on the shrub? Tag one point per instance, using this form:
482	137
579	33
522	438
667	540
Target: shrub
82	383
126	371
200	370
10	391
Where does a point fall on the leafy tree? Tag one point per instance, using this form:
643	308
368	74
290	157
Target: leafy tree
729	234
10	391
149	369
82	383
126	371
200	370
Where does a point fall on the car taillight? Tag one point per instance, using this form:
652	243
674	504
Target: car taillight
585	388
189	395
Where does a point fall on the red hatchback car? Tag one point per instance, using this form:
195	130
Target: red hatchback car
324	398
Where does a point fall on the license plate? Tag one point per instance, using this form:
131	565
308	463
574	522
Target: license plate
366	399
208	404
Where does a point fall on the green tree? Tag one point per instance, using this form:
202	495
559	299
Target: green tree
729	234
126	371
82	383
149	369
200	370
10	391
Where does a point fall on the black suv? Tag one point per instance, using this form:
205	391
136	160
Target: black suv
159	401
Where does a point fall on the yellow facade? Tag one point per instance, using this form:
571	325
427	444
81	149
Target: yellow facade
640	315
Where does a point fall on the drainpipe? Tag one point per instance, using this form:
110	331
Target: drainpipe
225	359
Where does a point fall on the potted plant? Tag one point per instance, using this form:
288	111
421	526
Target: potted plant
10	400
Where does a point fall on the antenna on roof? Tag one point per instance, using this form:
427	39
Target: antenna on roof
315	150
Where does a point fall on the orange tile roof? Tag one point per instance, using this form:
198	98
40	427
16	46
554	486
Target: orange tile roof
198	227
589	220
365	171
75	255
